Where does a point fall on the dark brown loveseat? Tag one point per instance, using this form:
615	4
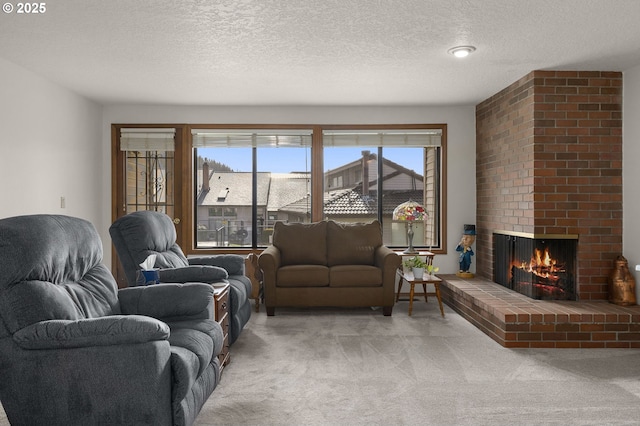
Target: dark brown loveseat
328	264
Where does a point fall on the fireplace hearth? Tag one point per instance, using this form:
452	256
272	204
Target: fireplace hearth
541	267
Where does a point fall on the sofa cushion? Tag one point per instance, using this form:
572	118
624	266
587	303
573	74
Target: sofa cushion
352	243
355	276
303	276
301	243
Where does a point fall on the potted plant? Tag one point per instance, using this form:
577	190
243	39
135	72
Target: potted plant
407	264
418	266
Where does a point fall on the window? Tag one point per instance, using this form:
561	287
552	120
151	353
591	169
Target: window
149	164
222	212
246	180
369	172
226	186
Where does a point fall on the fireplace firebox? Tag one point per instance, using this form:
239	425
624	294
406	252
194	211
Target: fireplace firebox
541	267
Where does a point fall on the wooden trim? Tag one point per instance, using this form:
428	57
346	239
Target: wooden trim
183	197
116	200
116	172
249	126
383	126
317	176
443	196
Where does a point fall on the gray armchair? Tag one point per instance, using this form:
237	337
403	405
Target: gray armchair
75	350
137	235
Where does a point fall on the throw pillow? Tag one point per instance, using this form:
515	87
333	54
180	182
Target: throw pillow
353	243
301	243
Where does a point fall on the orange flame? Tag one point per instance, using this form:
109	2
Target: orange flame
541	264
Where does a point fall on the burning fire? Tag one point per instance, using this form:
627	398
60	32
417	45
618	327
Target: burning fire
542	264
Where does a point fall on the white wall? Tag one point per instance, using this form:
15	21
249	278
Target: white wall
461	157
631	172
51	148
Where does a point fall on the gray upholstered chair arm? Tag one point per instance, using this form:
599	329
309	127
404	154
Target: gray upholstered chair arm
103	331
232	263
169	301
196	273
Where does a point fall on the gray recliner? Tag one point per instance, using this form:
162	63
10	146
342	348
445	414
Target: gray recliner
137	235
75	350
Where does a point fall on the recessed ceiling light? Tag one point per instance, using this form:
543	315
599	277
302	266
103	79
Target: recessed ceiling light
461	51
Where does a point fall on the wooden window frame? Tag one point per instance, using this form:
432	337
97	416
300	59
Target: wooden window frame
185	193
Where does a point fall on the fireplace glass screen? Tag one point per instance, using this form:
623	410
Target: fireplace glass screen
541	268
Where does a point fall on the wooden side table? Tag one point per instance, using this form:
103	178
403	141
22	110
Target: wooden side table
427	279
221	300
428	256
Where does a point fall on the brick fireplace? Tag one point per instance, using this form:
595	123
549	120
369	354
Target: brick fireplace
549	161
541	268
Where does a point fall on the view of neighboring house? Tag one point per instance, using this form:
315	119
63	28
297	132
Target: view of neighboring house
351	195
351	190
224	204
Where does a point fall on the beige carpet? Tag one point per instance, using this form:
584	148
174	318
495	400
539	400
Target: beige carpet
357	367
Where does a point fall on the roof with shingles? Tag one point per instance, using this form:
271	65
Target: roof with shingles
286	188
351	202
239	186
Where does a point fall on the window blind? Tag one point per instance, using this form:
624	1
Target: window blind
229	138
147	139
398	138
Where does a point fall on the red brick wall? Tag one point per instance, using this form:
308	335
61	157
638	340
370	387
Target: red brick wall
549	161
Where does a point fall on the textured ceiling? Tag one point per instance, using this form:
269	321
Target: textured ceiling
304	52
